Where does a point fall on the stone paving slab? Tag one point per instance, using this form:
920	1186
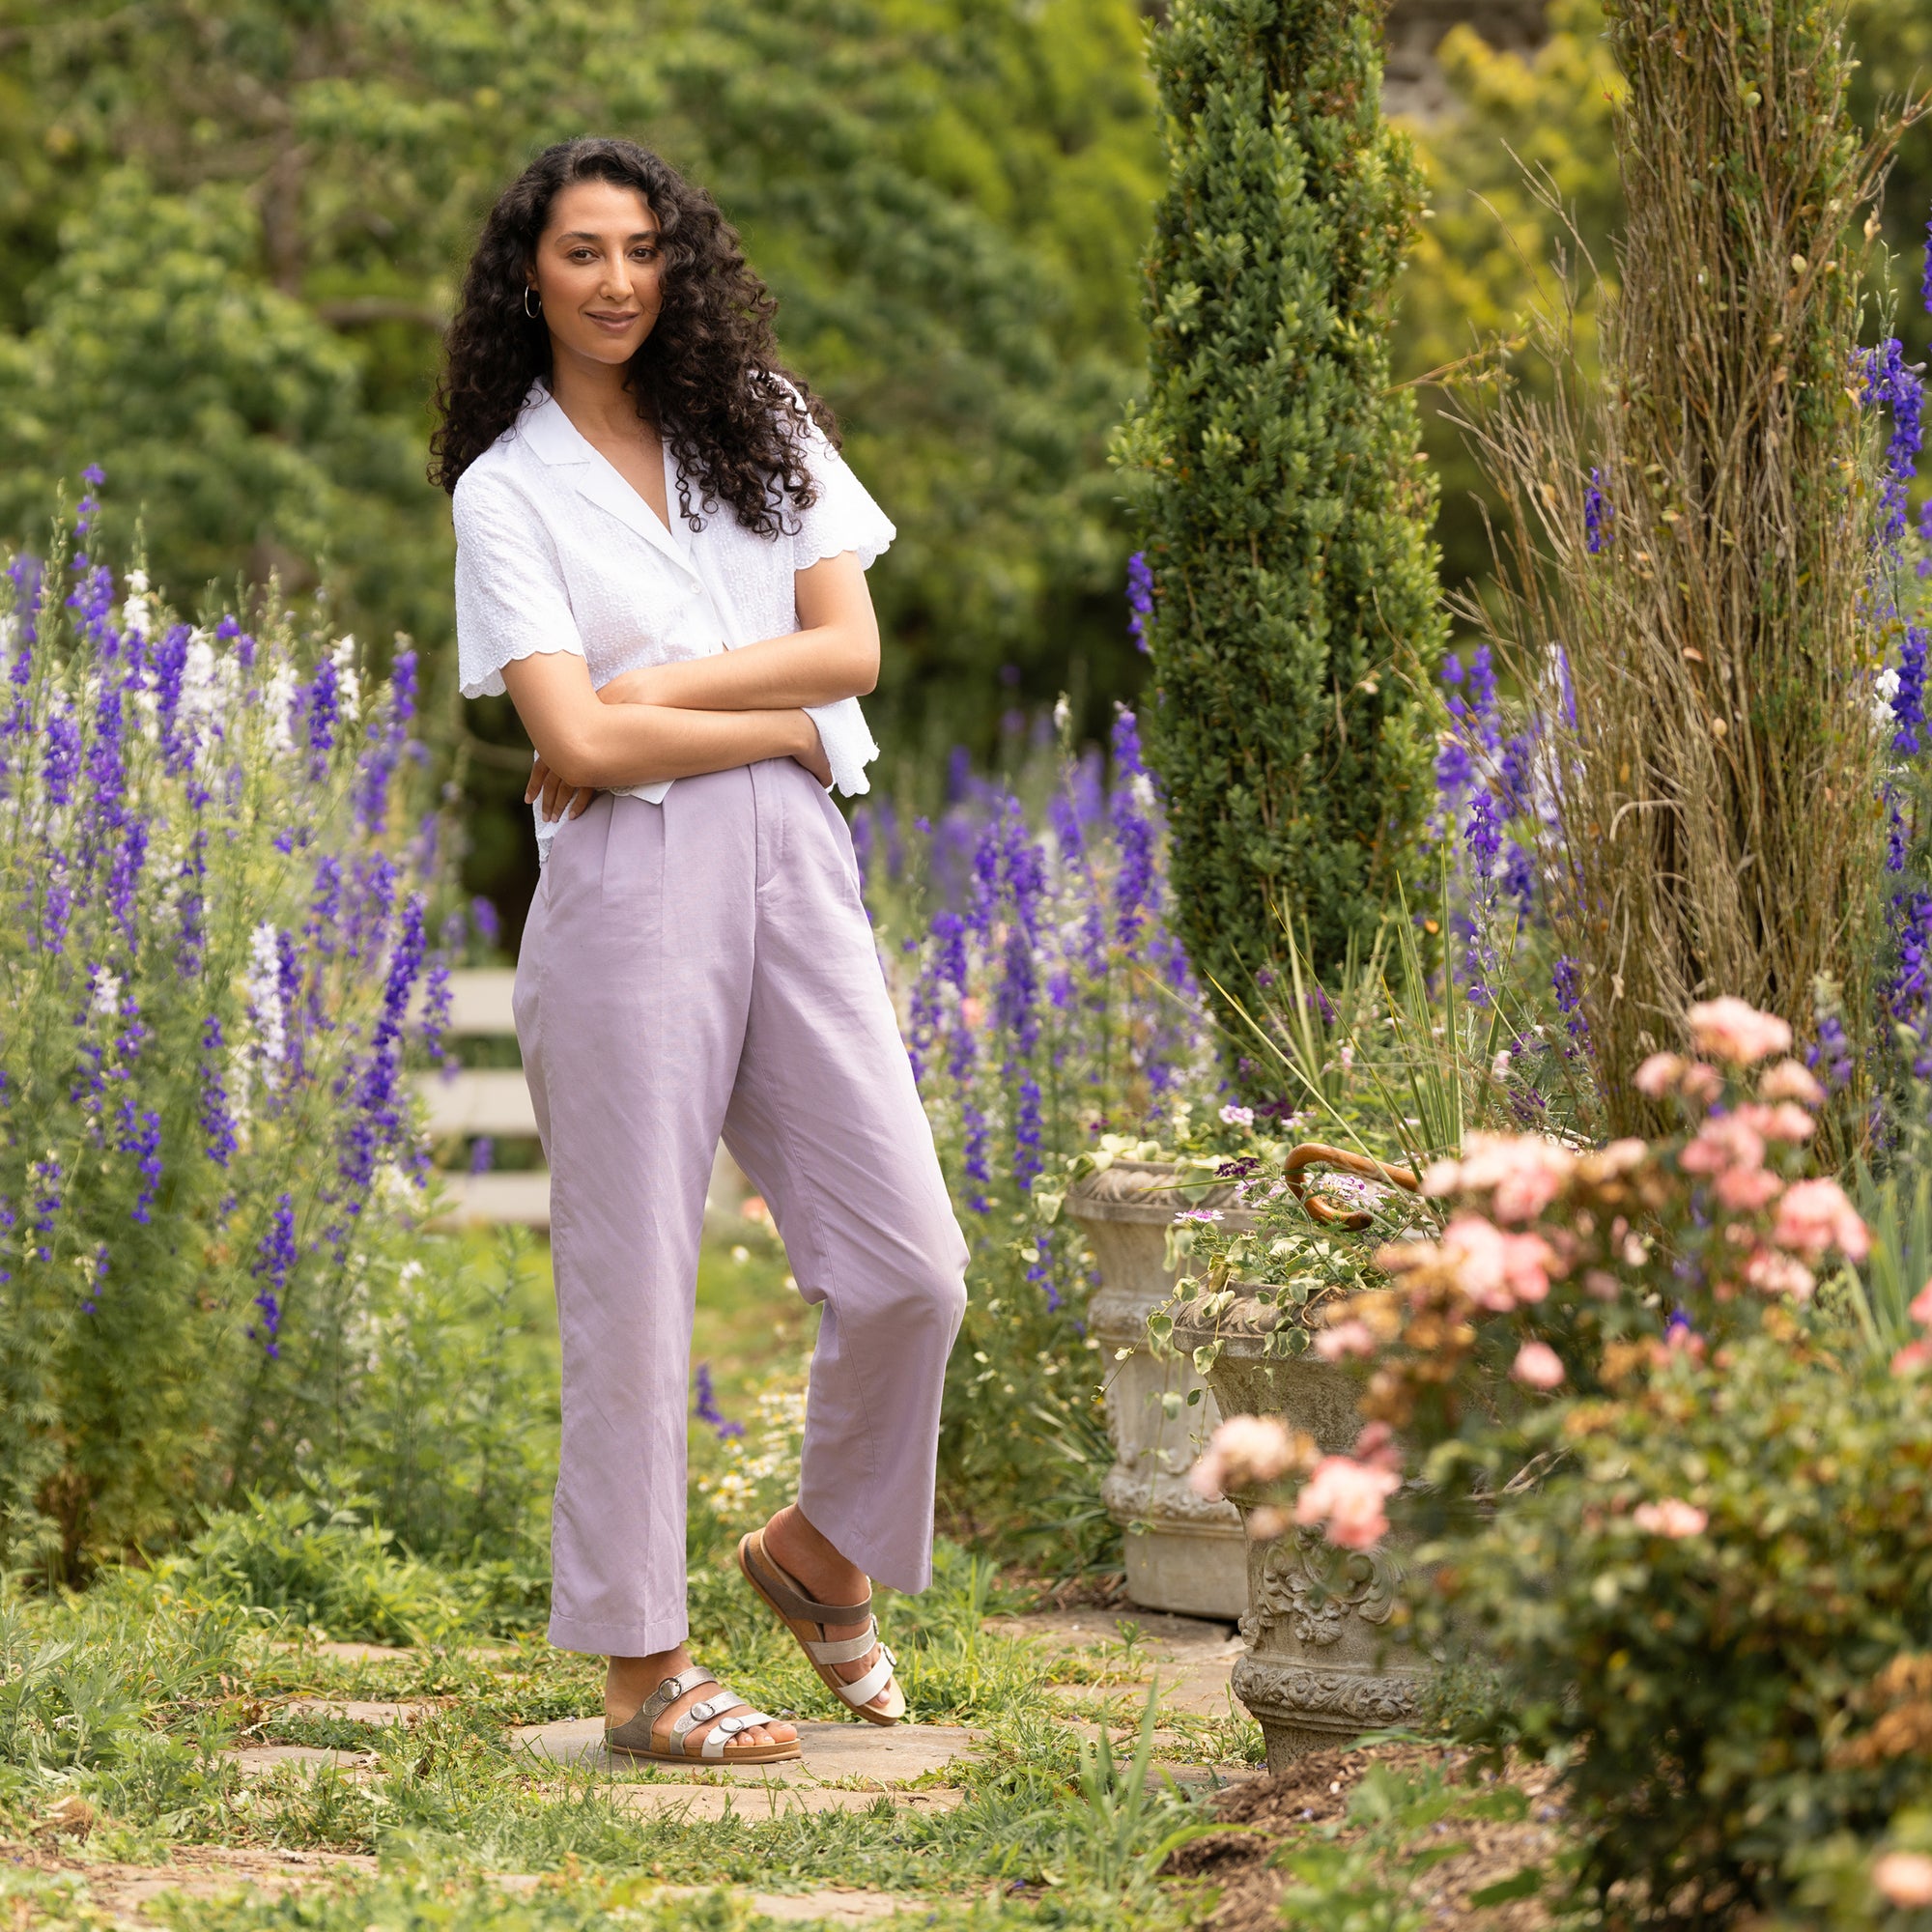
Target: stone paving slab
1193	1657
268	1757
883	1754
355	1710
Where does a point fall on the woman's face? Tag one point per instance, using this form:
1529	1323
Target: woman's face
599	270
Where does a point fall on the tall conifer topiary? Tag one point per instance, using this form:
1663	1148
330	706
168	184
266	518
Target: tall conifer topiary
1296	621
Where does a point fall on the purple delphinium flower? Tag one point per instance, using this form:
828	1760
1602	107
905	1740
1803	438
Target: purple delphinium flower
1908	703
1129	808
49	1182
1140	599
1566	980
320	706
436	1014
482	1154
62	764
1831	1056
1890	380
379	1124
486	921
56	905
704	1405
275	1263
217	1124
1597	515
141	1136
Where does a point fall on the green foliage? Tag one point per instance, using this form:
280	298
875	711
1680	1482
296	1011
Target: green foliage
1737	1694
1373	1870
1285	507
329	1566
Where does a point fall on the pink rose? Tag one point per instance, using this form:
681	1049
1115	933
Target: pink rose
1268	1522
1672	1517
1912	1357
1348	1497
1660	1074
1244	1451
1790	1080
1723	1143
1523	1173
1921	1309
1345	1338
1732	1030
1784	1122
1377	1447
1537	1365
1743	1190
1773	1273
1814	1216
1904	1878
1495	1270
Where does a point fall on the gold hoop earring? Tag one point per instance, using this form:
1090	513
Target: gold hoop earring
532	313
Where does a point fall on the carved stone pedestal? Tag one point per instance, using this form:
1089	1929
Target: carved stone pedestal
1184	1554
1321	1666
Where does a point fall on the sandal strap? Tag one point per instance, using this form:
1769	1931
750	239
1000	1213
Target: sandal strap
875	1679
704	1710
845	1649
783	1589
725	1729
671	1691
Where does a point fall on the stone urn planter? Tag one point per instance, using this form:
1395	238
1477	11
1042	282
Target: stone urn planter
1322	1664
1321	1667
1185	1555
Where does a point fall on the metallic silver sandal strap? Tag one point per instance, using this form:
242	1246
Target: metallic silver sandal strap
635	1733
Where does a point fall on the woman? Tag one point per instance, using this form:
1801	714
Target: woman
660	557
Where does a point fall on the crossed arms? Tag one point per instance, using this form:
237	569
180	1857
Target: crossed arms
706	715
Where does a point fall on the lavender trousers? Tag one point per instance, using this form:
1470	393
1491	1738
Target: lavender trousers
697	967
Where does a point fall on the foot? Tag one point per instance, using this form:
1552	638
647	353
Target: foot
629	1680
796	1547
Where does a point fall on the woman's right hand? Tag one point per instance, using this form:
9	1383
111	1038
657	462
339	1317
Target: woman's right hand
810	750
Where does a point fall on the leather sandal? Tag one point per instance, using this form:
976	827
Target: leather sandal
806	1620
643	1736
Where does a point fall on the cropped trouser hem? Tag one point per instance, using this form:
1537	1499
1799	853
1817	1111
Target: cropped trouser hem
643	1639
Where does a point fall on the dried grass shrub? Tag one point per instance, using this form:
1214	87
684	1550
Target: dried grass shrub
1716	742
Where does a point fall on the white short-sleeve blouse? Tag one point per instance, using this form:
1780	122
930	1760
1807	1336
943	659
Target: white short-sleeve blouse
555	551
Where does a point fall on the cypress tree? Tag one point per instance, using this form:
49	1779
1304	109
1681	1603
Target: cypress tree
1296	620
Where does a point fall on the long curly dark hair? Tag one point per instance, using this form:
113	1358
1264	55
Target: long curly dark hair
708	375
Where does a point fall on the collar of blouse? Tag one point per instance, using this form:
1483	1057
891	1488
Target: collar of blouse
551	436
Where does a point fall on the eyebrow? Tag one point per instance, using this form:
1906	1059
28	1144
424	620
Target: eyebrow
585	235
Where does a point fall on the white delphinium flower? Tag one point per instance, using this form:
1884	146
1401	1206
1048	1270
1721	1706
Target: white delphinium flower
278	702
137	612
347	680
105	1003
265	1004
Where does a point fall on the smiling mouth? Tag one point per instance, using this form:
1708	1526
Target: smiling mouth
616	321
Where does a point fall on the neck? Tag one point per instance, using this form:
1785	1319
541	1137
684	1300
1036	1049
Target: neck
594	395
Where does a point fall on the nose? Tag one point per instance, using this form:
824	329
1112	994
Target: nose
617	285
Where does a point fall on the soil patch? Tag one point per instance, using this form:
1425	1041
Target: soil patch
1281	1815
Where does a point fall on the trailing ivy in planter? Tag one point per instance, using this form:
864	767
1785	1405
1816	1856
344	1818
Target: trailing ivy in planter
1294	619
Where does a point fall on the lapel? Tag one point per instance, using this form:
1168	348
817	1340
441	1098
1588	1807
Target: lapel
554	438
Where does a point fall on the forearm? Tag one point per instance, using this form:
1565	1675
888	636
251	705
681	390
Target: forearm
814	667
622	745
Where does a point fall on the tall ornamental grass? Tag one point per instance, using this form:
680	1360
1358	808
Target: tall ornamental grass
1045	1001
215	934
1696	536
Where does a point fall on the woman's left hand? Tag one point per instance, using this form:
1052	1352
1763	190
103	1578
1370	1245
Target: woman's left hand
559	800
